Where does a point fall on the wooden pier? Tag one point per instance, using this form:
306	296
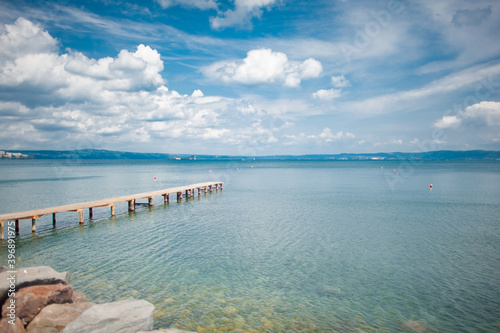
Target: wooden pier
33	215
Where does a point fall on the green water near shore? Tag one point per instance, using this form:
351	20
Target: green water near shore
285	247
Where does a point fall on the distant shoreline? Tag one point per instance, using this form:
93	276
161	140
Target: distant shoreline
100	154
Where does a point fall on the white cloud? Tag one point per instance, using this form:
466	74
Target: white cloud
242	14
483	113
264	66
24	37
340	81
200	4
397	101
447	122
327	94
326	136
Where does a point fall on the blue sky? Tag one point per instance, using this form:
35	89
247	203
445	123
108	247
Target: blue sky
250	77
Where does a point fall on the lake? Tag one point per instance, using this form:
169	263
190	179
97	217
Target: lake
287	246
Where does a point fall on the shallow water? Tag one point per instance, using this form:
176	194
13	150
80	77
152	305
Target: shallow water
334	246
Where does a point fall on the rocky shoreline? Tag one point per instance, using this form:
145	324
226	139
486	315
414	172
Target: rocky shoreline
40	300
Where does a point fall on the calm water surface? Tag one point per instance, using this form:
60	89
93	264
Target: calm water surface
285	247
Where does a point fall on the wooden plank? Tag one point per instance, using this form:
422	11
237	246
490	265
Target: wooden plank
99	203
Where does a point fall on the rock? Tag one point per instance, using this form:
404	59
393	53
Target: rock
168	330
127	316
413	326
29	276
31	300
55	317
78	297
5	327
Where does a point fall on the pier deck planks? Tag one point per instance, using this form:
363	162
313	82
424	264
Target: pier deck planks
78	207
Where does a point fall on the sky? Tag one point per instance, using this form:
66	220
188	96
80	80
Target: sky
250	77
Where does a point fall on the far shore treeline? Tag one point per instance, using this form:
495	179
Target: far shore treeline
89	154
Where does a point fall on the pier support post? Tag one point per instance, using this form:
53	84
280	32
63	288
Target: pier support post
210	187
179	195
91	213
33	224
199	191
165	198
80	216
2	232
17	227
54	219
131	205
150	201
220	186
112	209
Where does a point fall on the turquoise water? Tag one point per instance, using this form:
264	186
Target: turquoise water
286	247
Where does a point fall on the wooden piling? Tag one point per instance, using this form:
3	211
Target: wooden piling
150	201
17	227
165	198
80	216
179	195
91	213
2	232
131	205
33	223
112	209
54	219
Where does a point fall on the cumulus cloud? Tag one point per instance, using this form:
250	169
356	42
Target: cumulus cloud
483	113
327	94
200	4
70	76
264	66
340	81
242	14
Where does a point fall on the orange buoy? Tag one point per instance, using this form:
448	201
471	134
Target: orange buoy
154	178
397	173
430	186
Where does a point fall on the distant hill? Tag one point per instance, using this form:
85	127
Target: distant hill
441	155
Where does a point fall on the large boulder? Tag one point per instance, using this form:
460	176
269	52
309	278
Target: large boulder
78	297
6	327
29	276
55	317
127	316
31	300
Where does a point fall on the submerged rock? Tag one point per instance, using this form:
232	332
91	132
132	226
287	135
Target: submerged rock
414	326
55	317
127	316
31	300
